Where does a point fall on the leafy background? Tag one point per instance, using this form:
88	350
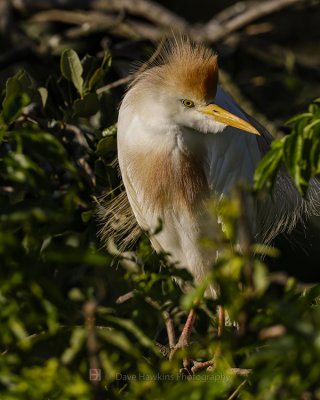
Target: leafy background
61	307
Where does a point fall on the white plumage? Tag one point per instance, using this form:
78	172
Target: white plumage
226	156
176	149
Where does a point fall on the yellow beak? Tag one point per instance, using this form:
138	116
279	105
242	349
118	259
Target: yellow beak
223	116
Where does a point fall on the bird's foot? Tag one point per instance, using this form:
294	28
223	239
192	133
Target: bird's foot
191	367
184	339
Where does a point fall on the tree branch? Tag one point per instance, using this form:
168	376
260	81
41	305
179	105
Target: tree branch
164	21
218	27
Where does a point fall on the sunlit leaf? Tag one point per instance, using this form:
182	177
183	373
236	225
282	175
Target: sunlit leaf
129	325
110	131
268	167
77	341
71	69
98	75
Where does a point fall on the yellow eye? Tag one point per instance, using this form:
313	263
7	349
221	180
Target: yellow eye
188	103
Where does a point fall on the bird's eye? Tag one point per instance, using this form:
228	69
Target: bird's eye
188	103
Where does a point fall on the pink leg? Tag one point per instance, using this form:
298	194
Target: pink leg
191	367
184	339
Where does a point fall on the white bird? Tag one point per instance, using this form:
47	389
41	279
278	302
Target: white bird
181	140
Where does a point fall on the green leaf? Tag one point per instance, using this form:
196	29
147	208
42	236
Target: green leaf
294	160
86	215
264	250
311	126
71	69
268	167
13	106
292	151
298	117
100	72
17	84
195	295
89	64
260	277
77	341
86	106
106	145
44	95
313	108
315	155
110	131
118	340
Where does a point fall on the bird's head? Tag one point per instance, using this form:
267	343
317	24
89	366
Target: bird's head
180	91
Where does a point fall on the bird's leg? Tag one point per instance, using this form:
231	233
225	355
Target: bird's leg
189	366
184	341
197	366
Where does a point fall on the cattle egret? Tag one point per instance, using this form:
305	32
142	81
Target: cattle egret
182	140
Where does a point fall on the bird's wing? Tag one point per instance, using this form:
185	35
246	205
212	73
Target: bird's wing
286	207
239	158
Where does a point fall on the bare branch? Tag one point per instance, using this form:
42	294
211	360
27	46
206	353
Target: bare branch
163	20
218	28
170	329
147	9
72	17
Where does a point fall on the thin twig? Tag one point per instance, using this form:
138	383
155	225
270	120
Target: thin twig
170	329
233	395
89	310
131	77
126	297
240	371
272	332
